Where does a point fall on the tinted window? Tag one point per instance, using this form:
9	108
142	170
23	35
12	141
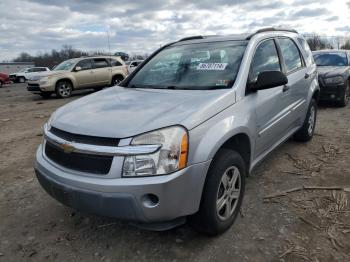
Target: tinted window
85	64
290	53
265	59
199	66
331	59
100	63
307	50
114	62
38	69
31	70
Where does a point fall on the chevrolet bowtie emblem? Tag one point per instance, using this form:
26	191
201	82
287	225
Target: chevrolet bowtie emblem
67	148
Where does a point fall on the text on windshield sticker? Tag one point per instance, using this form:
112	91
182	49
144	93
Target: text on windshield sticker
211	66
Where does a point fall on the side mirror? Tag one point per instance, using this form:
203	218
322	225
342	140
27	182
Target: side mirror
77	68
269	79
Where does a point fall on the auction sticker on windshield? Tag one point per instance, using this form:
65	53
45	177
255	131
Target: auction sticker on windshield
211	66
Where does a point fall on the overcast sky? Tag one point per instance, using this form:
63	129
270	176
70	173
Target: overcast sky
137	26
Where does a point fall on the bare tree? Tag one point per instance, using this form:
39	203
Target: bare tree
317	43
346	45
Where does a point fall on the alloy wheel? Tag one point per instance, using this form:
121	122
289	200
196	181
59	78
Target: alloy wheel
64	89
228	193
311	121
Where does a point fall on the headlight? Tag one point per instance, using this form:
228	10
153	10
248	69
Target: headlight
48	123
171	157
44	79
336	80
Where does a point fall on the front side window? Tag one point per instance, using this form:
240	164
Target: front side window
100	63
290	53
331	59
307	50
85	64
265	59
199	66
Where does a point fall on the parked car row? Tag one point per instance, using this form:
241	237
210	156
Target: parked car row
23	75
176	139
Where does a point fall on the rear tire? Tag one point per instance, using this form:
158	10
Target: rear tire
222	194
306	132
64	89
345	99
98	89
1	84
116	80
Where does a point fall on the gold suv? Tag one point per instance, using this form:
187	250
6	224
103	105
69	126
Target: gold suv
79	73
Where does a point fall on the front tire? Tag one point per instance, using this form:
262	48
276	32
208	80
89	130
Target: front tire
306	132
346	96
64	89
222	194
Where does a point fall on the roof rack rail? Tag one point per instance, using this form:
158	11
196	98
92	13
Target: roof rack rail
191	38
272	29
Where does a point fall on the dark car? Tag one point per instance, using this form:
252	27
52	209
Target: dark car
333	75
4	79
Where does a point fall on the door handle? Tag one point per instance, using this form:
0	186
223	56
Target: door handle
285	88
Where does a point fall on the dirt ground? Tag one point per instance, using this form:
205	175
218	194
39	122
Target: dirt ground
305	225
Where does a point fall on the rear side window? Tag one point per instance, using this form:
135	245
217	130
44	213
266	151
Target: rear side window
40	69
85	64
265	59
290	53
308	54
100	63
114	62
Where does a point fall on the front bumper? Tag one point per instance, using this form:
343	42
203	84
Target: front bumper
37	87
179	193
332	93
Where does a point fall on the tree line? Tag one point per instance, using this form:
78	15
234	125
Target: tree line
54	57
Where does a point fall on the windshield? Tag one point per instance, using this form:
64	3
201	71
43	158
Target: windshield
66	65
22	70
193	66
331	59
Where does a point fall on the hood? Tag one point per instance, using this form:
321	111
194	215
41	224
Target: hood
51	73
124	112
329	71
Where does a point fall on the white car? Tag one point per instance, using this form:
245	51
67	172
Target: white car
132	65
25	73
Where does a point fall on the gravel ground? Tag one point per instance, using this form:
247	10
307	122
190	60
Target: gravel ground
305	225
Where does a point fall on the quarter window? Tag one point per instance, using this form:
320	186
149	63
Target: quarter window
290	53
85	64
100	63
114	62
265	59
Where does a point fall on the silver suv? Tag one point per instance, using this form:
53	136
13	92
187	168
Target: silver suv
179	136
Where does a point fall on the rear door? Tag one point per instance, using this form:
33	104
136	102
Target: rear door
102	71
270	104
299	79
85	76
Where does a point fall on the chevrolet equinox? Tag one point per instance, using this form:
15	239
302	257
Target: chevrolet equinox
177	138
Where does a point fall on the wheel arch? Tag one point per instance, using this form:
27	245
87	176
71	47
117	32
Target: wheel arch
65	79
240	143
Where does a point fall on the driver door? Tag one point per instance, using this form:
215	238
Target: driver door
271	105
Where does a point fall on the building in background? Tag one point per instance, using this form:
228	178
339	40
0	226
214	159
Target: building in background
14	67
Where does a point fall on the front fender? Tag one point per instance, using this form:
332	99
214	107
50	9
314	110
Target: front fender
207	139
